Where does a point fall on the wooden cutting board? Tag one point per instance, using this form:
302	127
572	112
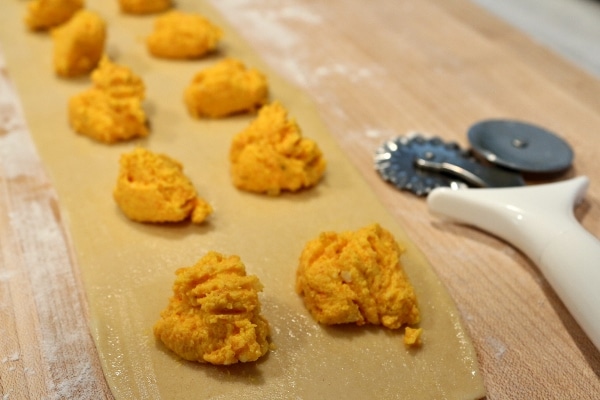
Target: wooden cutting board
431	66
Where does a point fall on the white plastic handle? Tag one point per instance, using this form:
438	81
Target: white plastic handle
539	220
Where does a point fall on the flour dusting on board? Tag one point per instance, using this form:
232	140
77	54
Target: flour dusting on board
271	28
277	31
44	260
355	74
497	346
370	136
6	276
268	24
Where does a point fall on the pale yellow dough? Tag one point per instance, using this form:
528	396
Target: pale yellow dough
226	88
111	110
357	277
271	156
181	35
152	188
214	315
45	14
144	6
78	44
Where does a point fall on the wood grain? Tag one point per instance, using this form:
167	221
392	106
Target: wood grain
376	71
46	350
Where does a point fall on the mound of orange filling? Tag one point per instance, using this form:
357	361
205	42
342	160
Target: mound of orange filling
144	6
214	315
152	188
45	14
271	156
226	88
78	44
111	110
357	277
181	35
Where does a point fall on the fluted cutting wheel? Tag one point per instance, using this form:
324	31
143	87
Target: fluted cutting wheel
395	162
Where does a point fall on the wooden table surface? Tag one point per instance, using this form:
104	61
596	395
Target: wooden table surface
376	69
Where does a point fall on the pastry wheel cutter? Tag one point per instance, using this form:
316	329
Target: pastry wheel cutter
484	187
